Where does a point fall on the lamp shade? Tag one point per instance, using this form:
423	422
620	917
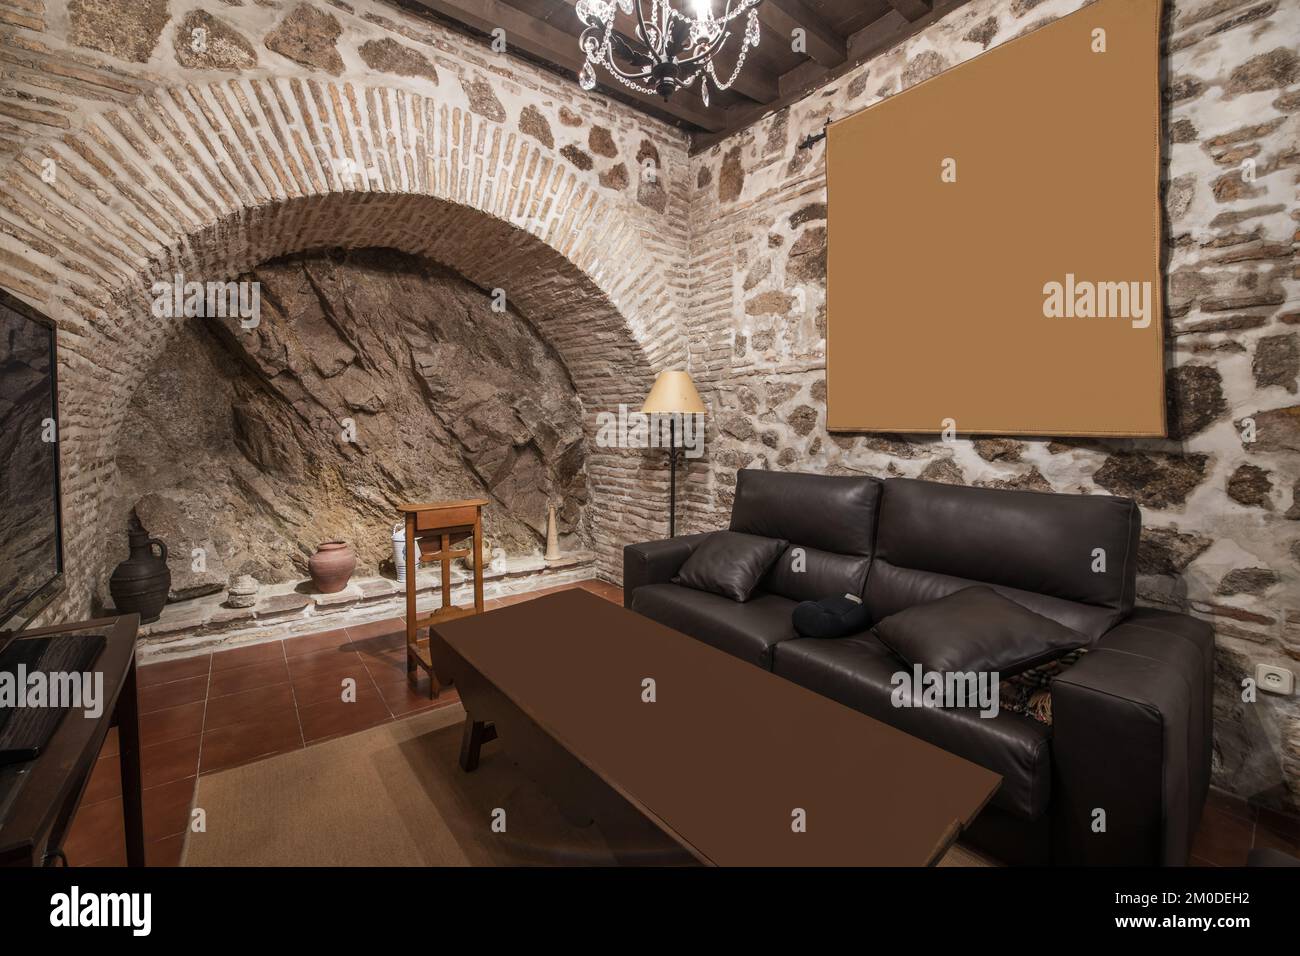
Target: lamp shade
673	392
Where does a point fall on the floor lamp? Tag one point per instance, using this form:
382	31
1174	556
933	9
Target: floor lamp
673	394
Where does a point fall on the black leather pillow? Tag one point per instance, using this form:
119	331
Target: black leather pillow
830	617
975	629
820	573
729	563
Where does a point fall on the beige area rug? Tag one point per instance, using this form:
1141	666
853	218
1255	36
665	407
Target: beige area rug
393	795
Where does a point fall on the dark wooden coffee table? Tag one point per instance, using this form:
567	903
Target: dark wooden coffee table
721	762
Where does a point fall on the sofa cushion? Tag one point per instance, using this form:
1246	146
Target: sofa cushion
890	590
729	563
809	574
1079	551
856	671
748	631
829	513
975	629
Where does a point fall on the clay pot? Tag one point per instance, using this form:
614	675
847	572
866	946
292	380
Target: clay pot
139	584
331	566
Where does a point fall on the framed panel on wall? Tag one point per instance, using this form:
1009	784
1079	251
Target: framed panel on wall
995	241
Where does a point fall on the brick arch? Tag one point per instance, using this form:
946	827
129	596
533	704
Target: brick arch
211	180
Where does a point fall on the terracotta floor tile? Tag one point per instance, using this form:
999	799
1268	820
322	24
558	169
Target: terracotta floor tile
167	809
110	747
386	666
172	694
1278	831
1230	803
250	677
361	632
264	703
243	743
243	656
1223	838
165	852
404	699
317	676
311	643
333	718
163	725
165	672
169	761
96	833
381	642
105	781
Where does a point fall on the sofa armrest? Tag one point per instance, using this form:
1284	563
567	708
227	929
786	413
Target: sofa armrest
654	562
1130	737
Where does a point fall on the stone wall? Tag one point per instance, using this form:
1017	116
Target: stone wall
144	138
1221	537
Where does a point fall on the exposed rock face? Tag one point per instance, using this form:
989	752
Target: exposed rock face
206	43
307	35
444	397
389	56
126	29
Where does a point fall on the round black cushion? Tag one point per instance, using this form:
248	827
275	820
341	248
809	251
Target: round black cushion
831	617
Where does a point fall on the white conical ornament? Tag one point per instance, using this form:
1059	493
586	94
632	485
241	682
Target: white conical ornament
552	536
587	77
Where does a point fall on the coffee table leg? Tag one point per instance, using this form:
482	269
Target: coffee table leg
475	735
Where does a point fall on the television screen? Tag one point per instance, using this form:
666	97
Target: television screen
31	554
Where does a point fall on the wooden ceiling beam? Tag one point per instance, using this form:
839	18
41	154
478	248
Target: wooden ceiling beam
556	46
913	10
782	17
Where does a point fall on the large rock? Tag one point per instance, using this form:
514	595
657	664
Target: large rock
126	29
1277	361
1153	479
308	35
1194	396
445	397
389	56
1250	485
1168	550
203	42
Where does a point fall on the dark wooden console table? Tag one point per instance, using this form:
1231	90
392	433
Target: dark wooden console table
443	522
41	797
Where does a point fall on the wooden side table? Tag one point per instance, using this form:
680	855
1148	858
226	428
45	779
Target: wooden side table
440	522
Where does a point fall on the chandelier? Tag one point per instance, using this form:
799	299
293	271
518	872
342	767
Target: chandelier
670	50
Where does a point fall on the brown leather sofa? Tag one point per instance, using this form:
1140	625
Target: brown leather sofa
1131	731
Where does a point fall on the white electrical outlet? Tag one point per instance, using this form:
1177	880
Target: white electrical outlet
1274	679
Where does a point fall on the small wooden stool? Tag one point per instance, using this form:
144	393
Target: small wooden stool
439	521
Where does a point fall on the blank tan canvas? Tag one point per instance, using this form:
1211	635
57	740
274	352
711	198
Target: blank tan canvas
954	207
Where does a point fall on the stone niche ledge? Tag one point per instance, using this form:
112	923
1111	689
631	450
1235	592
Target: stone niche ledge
294	609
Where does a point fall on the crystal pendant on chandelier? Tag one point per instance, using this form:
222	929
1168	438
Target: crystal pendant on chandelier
664	49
